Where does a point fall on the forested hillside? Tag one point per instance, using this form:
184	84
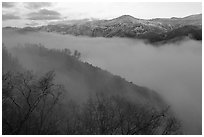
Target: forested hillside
49	91
151	30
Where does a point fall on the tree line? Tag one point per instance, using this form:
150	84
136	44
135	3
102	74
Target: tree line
34	105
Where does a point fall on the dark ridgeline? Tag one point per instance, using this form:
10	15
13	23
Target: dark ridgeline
43	103
156	31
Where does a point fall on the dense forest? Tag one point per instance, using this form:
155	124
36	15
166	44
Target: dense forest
54	100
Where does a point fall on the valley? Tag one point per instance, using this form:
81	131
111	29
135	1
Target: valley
172	70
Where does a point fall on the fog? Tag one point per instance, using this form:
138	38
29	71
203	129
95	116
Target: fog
173	70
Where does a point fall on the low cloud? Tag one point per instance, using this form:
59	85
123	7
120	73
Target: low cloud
9	17
8	4
44	14
37	5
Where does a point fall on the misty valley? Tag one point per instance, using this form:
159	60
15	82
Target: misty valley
75	64
101	76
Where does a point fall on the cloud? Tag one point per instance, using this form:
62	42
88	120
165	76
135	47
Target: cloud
44	14
32	24
37	5
8	4
10	17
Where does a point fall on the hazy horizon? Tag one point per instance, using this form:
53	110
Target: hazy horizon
40	13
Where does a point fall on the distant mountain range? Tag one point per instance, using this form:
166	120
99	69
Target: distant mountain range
152	30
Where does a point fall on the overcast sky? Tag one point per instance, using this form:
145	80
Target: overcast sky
38	13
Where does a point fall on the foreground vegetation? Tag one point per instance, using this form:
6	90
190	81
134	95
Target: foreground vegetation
36	104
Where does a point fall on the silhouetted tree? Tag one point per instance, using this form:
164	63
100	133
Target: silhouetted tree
77	54
103	115
67	51
9	63
28	102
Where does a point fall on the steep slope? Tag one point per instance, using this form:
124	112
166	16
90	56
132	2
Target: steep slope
78	99
82	79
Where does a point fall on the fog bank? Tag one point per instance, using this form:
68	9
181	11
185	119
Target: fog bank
172	70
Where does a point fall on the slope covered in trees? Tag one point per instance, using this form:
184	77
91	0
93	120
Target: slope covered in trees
47	91
152	30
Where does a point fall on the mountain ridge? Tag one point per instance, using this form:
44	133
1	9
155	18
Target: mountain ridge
152	30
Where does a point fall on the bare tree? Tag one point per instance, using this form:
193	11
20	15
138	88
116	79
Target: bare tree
31	99
115	115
